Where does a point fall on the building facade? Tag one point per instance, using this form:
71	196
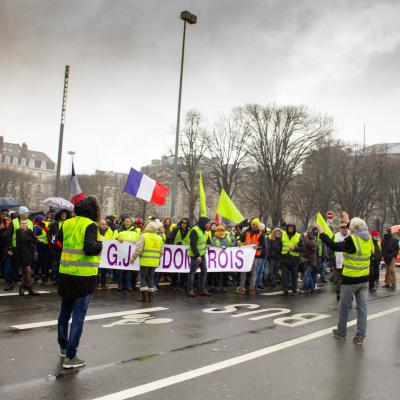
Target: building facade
26	175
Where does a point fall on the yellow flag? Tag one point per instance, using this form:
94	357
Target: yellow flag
227	209
321	221
202	197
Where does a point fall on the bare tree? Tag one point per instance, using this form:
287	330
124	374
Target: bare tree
228	150
193	146
357	181
16	184
281	138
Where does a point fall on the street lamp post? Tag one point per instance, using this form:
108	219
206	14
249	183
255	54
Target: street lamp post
71	153
186	17
60	140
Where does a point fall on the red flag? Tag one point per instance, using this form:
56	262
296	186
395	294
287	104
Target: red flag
217	219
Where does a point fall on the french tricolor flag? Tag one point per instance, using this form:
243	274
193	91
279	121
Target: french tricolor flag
76	192
145	188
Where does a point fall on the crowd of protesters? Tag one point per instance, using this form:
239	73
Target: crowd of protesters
30	251
65	248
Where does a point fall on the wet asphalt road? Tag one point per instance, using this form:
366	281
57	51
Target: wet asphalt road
175	335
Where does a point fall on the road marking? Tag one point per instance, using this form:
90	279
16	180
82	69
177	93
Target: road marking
271	293
186	376
17	294
89	318
264	310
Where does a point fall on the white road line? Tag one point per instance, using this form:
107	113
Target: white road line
89	318
271	293
17	294
185	376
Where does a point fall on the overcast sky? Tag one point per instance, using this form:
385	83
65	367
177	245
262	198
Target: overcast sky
337	57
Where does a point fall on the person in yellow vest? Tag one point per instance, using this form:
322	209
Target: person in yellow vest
42	264
23	215
148	250
54	228
105	232
197	252
357	250
290	259
78	272
127	233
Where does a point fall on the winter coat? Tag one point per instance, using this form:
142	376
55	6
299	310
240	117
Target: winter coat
203	221
309	250
25	250
184	232
274	247
390	247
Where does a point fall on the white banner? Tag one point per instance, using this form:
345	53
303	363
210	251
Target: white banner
116	255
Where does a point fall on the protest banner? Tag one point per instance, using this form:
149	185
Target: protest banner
175	259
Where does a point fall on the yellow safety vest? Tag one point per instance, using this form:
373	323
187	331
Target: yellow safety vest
201	242
127	236
184	240
286	242
74	261
151	254
16	227
43	236
357	265
108	234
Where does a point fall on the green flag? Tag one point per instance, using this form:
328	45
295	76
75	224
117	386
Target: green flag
202	197
321	221
227	209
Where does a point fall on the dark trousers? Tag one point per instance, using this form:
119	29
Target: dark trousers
273	272
124	279
373	274
194	265
289	276
76	308
42	264
146	276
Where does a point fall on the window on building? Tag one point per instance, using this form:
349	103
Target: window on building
38	189
23	162
15	160
7	160
43	165
106	202
39	176
32	163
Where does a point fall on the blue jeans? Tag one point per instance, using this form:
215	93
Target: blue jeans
124	279
360	291
261	272
77	308
310	278
194	264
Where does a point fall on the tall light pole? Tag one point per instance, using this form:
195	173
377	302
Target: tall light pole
60	140
71	153
186	17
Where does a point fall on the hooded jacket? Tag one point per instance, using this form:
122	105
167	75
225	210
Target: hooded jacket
390	247
184	232
203	221
151	227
